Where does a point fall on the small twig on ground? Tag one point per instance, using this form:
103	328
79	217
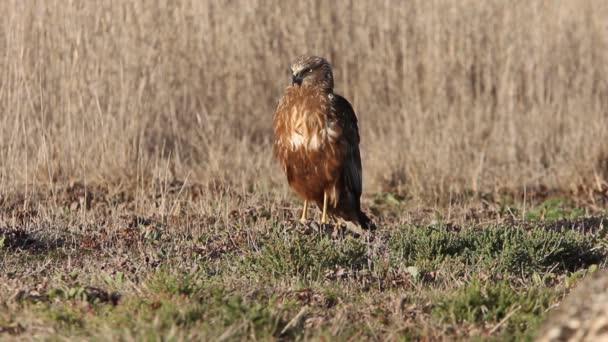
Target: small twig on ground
296	320
355	229
504	320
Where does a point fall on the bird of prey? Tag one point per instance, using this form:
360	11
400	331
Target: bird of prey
316	141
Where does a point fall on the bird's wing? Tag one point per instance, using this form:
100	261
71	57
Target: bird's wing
352	163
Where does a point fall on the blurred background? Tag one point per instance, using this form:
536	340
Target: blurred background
452	96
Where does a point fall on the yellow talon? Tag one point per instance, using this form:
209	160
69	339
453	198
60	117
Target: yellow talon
303	218
324	215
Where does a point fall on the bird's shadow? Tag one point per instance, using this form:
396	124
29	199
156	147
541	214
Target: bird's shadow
333	230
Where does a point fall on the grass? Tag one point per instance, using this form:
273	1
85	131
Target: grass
256	275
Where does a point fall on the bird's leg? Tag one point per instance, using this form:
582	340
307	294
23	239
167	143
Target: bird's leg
303	219
324	215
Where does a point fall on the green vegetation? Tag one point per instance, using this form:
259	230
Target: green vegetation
501	248
295	281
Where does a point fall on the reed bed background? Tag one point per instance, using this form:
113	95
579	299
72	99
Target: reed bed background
452	96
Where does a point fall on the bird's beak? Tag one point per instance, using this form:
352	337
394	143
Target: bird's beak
296	79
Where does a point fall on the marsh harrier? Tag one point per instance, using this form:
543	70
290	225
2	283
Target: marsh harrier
316	141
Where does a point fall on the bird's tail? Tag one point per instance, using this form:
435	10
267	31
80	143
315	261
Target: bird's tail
365	222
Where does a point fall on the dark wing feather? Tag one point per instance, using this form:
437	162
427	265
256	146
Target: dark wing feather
352	162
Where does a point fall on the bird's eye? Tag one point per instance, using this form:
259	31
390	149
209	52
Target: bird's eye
309	71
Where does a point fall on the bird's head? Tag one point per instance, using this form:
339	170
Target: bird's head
312	71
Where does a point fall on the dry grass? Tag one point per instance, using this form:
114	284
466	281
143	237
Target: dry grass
451	96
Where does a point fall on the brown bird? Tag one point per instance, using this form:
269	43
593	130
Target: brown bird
316	141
